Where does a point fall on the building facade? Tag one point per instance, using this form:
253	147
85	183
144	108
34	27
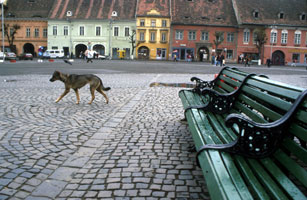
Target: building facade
194	25
285	27
31	18
105	28
153	30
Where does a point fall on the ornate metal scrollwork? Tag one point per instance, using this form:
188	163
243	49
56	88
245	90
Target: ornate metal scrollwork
201	84
219	103
256	140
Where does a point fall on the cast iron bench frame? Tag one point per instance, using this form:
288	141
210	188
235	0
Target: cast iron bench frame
240	155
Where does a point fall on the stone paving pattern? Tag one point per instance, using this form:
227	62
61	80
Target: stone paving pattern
132	148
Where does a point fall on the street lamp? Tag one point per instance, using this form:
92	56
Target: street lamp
114	14
2	17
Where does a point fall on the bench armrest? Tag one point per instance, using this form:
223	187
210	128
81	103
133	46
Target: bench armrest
220	103
256	140
201	84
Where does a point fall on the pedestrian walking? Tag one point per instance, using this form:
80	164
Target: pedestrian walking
89	55
268	62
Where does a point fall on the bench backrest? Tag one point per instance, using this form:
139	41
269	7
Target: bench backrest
264	100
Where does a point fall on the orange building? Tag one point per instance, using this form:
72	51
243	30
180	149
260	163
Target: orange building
285	27
31	16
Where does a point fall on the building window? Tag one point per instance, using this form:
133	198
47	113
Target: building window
65	30
153	23
273	39
297	37
284	36
54	30
127	31
116	31
303	16
179	35
36	32
192	35
142	22
152	36
163	37
98	30
256	14
28	32
142	36
230	37
164	23
81	30
229	54
204	36
45	32
296	57
281	15
246	36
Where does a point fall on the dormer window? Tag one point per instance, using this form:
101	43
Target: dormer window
256	14
281	15
303	16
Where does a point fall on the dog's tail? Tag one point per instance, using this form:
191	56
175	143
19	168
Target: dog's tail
104	88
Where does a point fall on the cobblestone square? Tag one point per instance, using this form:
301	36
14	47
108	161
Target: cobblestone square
132	148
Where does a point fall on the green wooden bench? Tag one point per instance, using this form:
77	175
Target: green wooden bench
255	148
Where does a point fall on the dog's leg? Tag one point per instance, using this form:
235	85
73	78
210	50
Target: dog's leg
92	89
64	93
101	92
78	96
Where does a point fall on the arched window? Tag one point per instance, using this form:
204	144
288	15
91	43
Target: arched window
297	37
284	36
273	36
246	34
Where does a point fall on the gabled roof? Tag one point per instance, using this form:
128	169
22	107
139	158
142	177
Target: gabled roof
203	12
269	10
28	8
93	9
145	6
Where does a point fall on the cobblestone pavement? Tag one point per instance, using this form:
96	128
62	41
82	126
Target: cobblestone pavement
132	148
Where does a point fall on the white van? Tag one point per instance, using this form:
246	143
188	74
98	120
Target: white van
54	53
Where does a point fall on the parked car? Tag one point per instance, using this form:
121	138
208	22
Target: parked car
10	56
53	54
26	56
1	55
102	57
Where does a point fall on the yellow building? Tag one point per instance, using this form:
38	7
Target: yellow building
153	36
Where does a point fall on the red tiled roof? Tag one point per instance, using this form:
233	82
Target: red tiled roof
268	11
203	12
26	9
162	6
93	9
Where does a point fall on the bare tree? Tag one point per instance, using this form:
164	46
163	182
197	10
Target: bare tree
218	39
260	40
133	42
10	32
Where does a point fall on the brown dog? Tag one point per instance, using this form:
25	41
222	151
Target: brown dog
76	82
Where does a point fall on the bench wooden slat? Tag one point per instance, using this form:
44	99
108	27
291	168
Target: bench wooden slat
295	149
283	174
275	88
295	169
211	173
282	179
271	187
221	172
254	184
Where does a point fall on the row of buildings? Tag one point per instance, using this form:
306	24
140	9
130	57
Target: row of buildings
162	29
